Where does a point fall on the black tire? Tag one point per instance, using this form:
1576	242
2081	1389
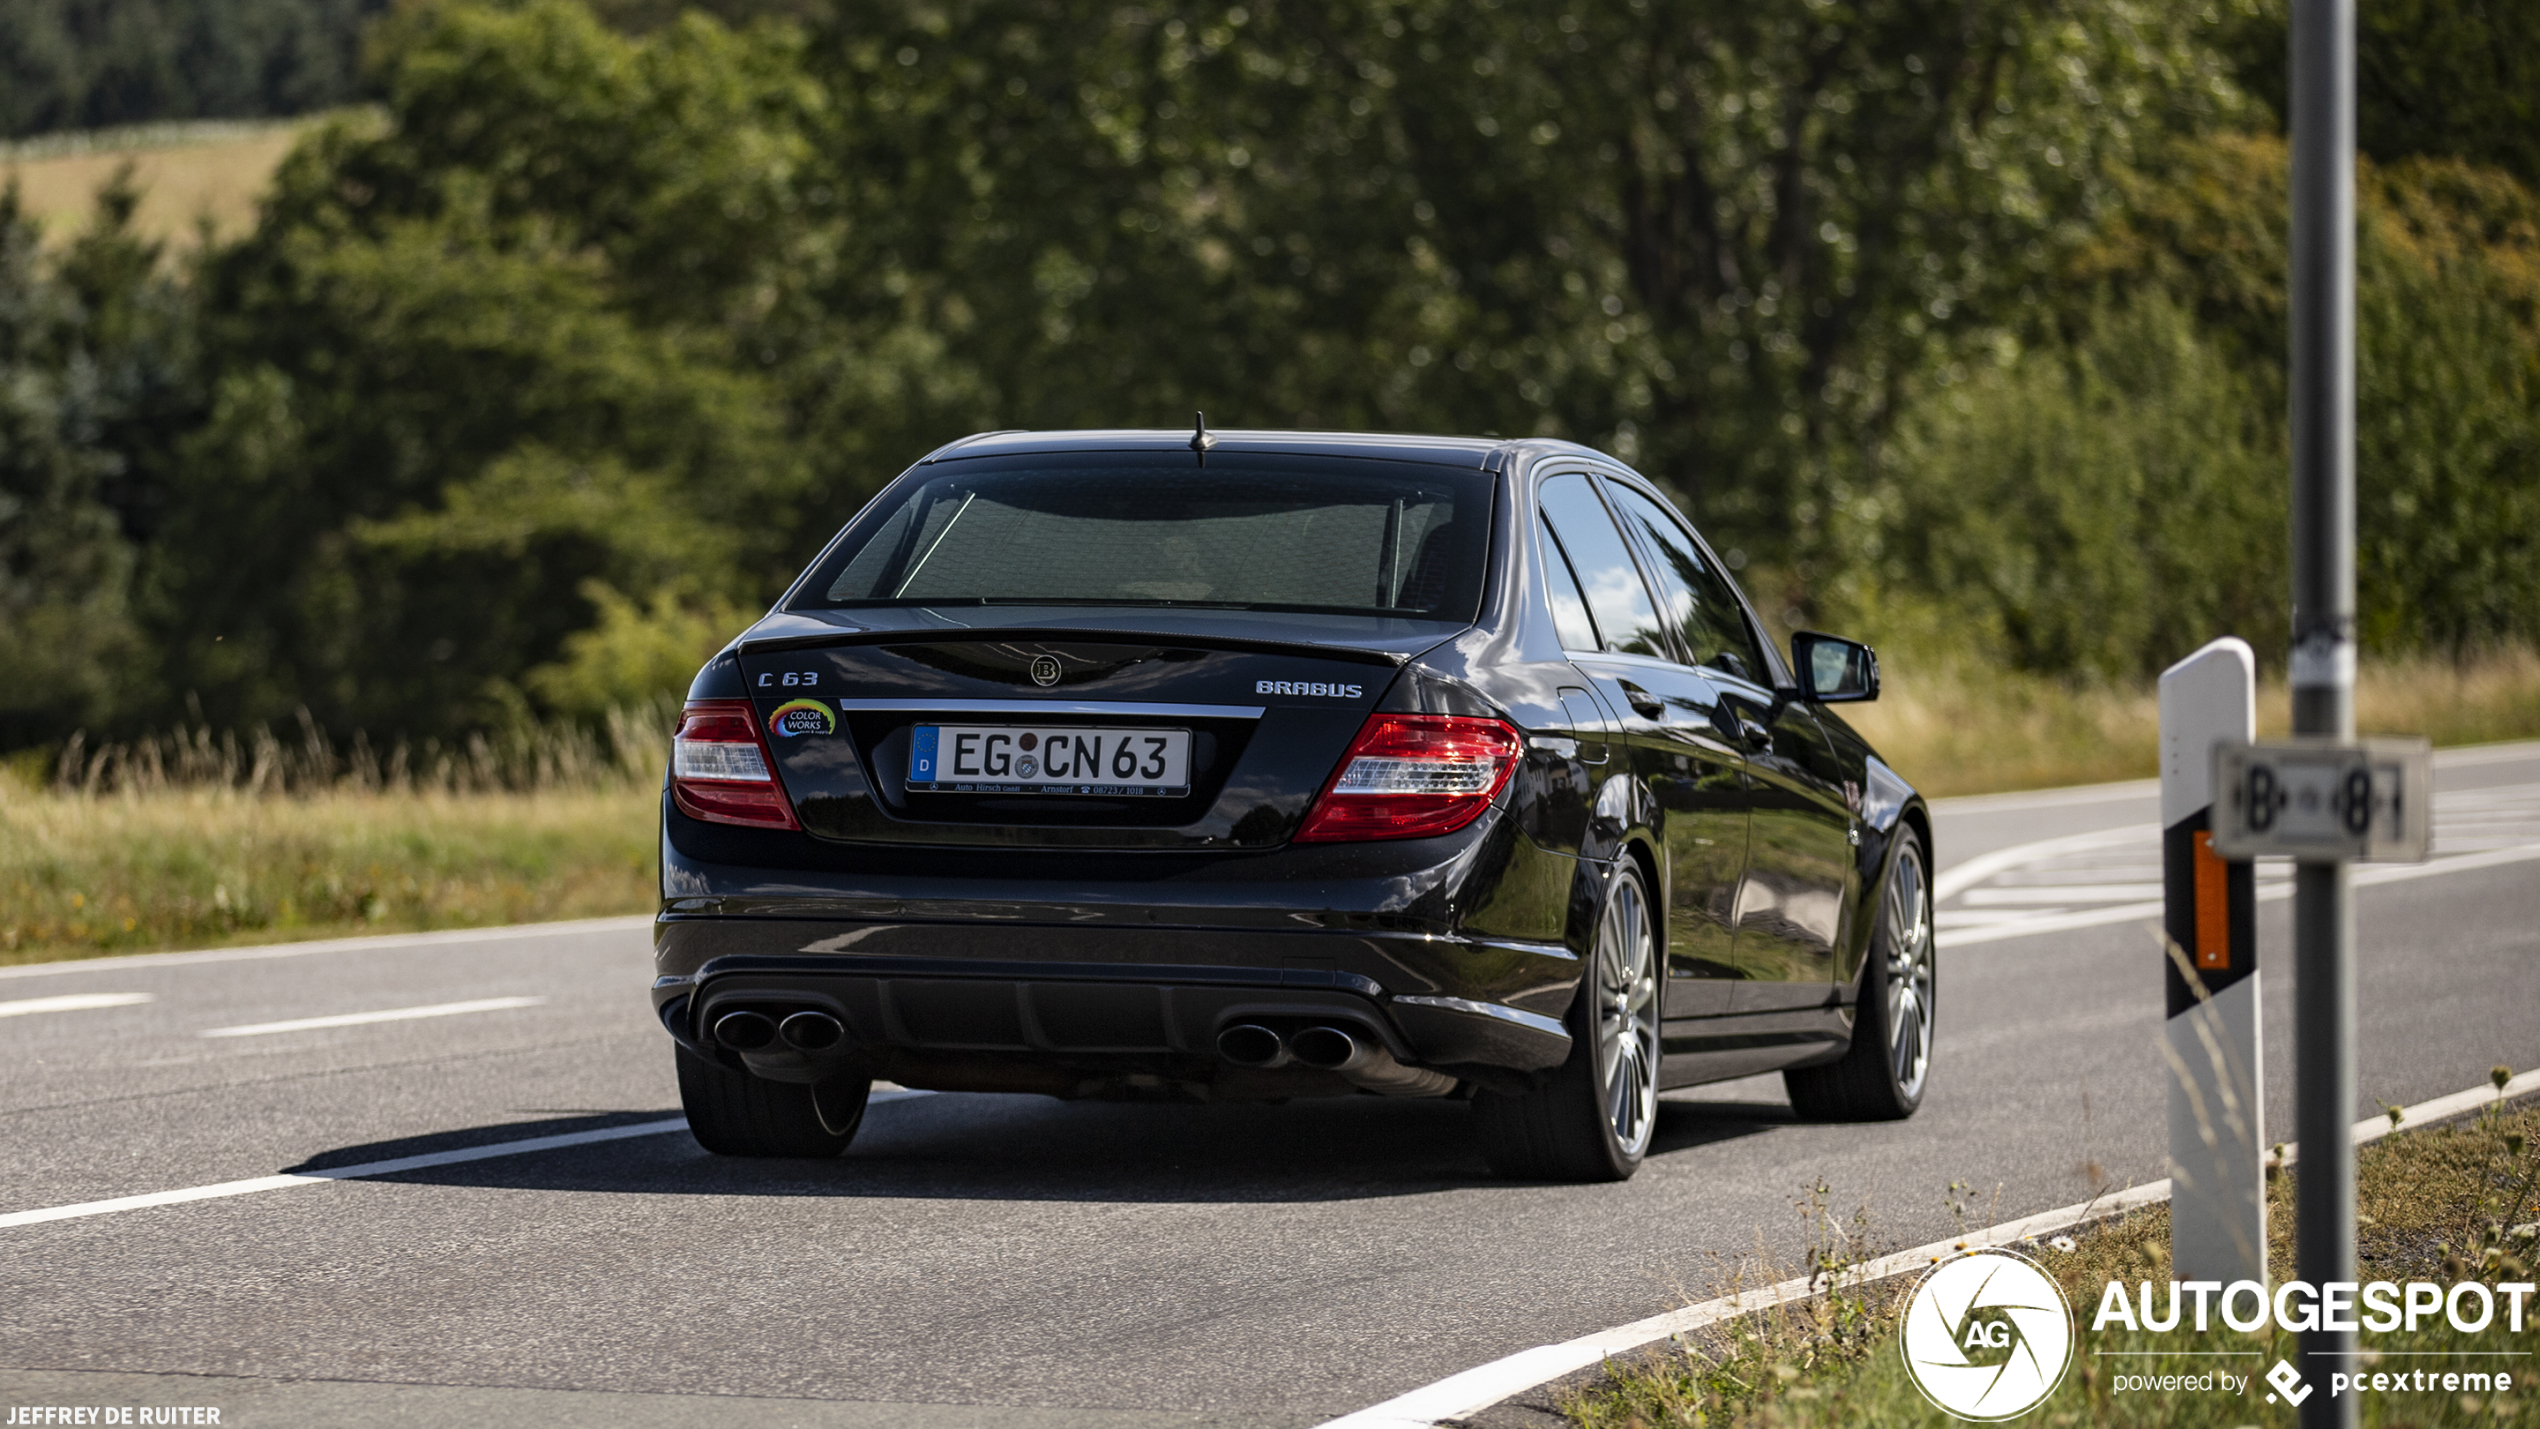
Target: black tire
1884	1073
1593	1120
735	1114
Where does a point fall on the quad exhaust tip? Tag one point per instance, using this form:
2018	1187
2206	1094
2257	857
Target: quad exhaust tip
1248	1045
745	1031
812	1031
1330	1049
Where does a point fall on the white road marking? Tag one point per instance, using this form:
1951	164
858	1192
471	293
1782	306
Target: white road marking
391	1167
2060	893
358	1019
76	1002
1958	878
2473	829
1463	1395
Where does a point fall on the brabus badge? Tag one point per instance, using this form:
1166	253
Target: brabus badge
1045	670
801	717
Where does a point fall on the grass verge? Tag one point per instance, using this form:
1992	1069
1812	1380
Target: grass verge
90	875
1956	727
2441	1204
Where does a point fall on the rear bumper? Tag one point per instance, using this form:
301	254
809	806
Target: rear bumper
1073	1010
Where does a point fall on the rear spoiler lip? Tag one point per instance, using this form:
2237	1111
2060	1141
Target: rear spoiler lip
1077	634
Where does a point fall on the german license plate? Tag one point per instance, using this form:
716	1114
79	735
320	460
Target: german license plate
1038	759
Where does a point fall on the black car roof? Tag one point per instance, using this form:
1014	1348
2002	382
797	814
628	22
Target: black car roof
1469	452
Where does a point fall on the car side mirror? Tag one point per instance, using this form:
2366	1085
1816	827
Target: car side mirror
1834	671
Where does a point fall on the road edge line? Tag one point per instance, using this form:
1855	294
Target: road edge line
1461	1395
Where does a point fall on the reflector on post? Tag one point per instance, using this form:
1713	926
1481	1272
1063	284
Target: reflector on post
2218	1204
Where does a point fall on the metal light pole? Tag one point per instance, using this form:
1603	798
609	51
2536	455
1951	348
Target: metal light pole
2323	665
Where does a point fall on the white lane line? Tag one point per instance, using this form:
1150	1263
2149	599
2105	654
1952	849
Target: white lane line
2062	893
2461	757
382	942
2366	876
76	1002
358	1019
390	1167
1958	878
1463	1395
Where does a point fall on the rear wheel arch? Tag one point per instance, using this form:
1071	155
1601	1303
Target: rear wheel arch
1653	880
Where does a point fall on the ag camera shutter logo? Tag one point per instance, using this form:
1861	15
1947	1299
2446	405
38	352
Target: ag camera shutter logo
1987	1336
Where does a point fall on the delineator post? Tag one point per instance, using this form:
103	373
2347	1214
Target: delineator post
2218	1209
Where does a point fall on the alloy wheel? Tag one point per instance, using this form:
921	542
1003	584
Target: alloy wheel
1627	1017
1909	972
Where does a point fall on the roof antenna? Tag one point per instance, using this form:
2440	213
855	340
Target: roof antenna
1201	441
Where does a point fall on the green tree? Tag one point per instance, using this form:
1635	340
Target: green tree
2438	78
523	337
2102	509
1716	237
2447	441
95	386
83	64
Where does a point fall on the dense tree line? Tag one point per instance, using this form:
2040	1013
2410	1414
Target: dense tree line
543	373
86	64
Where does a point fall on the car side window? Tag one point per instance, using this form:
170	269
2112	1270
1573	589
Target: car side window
1569	603
1604	565
1700	604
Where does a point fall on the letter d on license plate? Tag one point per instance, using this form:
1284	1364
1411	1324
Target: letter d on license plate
1040	759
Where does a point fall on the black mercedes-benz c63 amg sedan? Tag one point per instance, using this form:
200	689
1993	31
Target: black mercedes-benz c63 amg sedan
1258	765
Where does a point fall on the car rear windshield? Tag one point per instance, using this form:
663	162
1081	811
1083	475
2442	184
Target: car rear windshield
1243	532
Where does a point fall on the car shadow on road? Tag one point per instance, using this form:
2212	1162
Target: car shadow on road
1022	1148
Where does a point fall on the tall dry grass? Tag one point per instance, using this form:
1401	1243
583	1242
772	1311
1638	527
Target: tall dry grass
194	839
1957	727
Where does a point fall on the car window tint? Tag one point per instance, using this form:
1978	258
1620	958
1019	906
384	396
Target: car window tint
1363	537
1701	606
1569	603
1604	565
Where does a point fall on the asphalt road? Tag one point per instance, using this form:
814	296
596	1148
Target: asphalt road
1014	1261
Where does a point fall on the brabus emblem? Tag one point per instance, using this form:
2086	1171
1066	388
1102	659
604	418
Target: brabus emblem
1045	670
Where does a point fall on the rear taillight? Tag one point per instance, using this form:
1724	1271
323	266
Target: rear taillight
1409	776
720	771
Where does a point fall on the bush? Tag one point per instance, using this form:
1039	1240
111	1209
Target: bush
2102	509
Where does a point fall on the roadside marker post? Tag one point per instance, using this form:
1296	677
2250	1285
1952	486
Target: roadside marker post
2218	1199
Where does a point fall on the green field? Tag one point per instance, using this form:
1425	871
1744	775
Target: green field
91	875
190	175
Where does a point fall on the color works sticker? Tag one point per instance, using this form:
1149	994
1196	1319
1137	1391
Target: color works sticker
1988	1335
801	717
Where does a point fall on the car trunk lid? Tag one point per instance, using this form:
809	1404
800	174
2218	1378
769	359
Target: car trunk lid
1260	712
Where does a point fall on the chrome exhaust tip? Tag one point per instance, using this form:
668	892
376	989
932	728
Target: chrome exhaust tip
812	1031
1247	1045
745	1031
1330	1049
